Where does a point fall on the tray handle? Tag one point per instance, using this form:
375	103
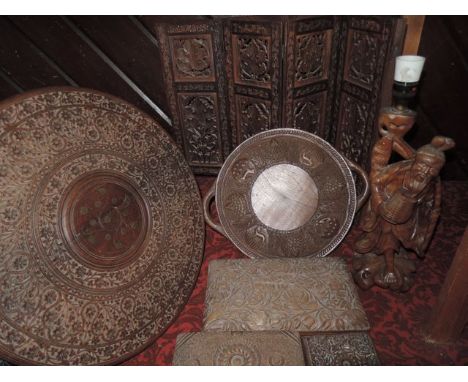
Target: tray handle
361	199
206	210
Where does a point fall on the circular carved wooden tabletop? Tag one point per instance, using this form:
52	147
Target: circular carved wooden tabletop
101	229
285	193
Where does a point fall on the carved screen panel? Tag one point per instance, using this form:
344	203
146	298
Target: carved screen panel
192	58
310	67
232	77
253	65
194	75
199	112
366	43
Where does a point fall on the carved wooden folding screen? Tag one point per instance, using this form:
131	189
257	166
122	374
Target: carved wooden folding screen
253	65
194	73
310	70
230	78
363	56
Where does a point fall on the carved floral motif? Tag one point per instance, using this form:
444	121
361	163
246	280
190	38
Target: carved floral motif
237	354
203	61
192	58
254	116
340	349
54	307
200	119
317	54
104	220
308	114
254	61
312	56
352	140
367	23
238	349
363	55
304	295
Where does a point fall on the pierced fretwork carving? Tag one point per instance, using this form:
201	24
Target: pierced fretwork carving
254	116
308	113
253	67
353	139
253	61
269	72
312	57
200	120
363	54
360	83
194	73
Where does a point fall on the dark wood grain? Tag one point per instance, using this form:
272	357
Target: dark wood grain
450	315
24	63
129	49
8	87
443	91
85	62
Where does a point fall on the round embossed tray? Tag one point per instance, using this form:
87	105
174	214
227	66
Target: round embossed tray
285	193
101	229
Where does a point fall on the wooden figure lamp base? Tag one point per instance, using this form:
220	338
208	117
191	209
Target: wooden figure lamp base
400	216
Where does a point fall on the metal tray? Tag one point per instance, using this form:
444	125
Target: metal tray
285	193
101	229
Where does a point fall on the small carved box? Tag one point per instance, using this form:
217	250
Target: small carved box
304	295
238	349
340	349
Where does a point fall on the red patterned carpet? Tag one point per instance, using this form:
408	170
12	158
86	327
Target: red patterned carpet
397	320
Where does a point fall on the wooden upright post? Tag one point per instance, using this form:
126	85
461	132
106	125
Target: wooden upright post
451	312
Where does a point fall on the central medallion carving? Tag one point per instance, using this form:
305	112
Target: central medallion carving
104	220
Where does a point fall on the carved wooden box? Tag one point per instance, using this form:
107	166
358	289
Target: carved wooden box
238	349
304	295
229	78
340	349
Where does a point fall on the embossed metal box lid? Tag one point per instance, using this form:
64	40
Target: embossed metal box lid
304	295
285	193
238	349
340	349
101	228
